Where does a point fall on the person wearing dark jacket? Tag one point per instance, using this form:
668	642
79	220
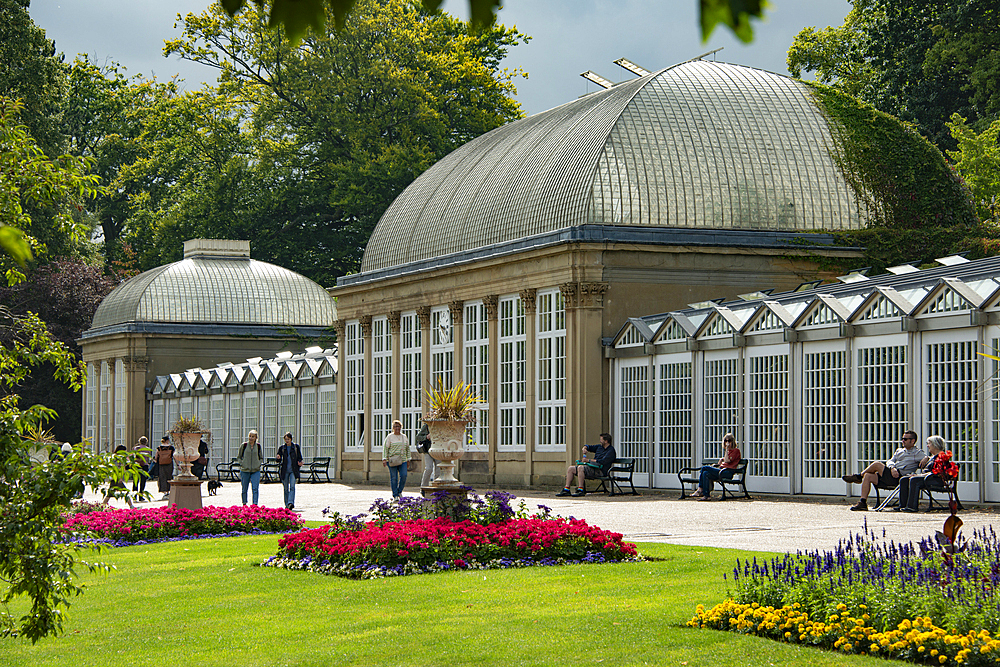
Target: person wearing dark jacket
289	462
590	467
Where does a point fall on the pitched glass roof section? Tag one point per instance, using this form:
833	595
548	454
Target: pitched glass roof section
218	290
699	145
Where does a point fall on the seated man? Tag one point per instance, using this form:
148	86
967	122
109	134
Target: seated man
603	458
911	485
904	461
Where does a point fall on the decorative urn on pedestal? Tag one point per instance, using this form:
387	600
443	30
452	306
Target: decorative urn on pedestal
185	435
449	412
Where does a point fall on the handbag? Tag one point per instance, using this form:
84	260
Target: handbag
395	460
202	461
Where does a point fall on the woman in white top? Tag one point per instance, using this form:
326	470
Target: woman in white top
395	454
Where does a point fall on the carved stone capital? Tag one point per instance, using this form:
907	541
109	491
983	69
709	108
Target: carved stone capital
584	295
394	317
136	363
424	316
340	326
492	304
528	300
365	321
456	308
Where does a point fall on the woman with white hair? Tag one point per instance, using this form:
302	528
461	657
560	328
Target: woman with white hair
911	486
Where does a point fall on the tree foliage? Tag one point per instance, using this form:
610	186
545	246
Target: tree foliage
977	161
30	179
918	60
302	147
296	17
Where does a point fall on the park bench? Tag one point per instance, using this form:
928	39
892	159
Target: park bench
692	476
320	465
932	502
620	472
269	472
230	469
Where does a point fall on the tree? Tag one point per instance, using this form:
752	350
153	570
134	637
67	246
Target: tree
29	179
65	294
31	71
977	161
296	16
35	561
333	128
918	60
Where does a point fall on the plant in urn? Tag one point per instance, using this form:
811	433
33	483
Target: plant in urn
185	435
449	411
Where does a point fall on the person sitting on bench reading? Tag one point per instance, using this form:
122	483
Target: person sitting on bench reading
911	485
590	467
724	469
904	461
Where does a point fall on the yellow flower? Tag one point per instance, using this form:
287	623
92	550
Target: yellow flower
943	659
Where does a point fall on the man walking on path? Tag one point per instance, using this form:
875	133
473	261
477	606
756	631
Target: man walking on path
904	461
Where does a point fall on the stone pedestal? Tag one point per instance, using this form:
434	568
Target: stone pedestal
458	493
185	493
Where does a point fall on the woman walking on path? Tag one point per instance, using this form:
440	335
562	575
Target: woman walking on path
395	454
164	466
251	456
289	461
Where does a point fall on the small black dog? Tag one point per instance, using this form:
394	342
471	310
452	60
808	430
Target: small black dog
214	486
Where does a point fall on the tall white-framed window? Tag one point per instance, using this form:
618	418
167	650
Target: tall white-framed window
217	425
512	374
121	400
882	395
327	420
442	349
105	422
287	416
354	387
90	427
633	413
187	406
269	434
550	367
236	432
158	426
411	380
307	436
674	433
951	398
767	411
251	416
171	411
476	357
382	414
722	401
824	412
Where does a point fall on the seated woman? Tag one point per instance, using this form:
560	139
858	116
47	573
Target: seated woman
910	486
724	469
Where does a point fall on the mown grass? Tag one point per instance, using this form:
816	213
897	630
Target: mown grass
201	603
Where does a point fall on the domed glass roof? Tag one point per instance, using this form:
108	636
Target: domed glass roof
699	145
220	286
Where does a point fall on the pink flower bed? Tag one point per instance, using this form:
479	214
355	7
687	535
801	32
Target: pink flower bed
127	526
426	545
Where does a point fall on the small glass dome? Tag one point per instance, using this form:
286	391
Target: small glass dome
701	145
218	283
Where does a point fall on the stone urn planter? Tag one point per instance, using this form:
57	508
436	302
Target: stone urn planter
186	451
448	412
447	447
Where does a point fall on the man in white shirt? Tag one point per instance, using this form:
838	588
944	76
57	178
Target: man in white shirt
904	461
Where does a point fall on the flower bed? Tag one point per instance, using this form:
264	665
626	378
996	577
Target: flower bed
481	535
123	527
905	601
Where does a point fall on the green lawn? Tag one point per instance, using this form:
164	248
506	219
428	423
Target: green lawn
200	603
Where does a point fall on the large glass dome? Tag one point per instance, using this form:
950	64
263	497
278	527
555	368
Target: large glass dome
699	145
218	283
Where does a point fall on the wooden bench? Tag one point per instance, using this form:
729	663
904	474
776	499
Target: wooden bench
621	471
693	476
320	465
231	470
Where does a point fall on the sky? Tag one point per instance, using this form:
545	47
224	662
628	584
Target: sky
568	37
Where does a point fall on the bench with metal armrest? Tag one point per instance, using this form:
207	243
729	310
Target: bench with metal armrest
693	476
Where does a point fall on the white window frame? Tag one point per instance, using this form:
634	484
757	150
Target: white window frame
411	380
476	359
674	412
512	371
442	348
826	394
308	423
90	429
382	412
327	409
767	396
550	371
104	431
121	402
354	387
632	419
